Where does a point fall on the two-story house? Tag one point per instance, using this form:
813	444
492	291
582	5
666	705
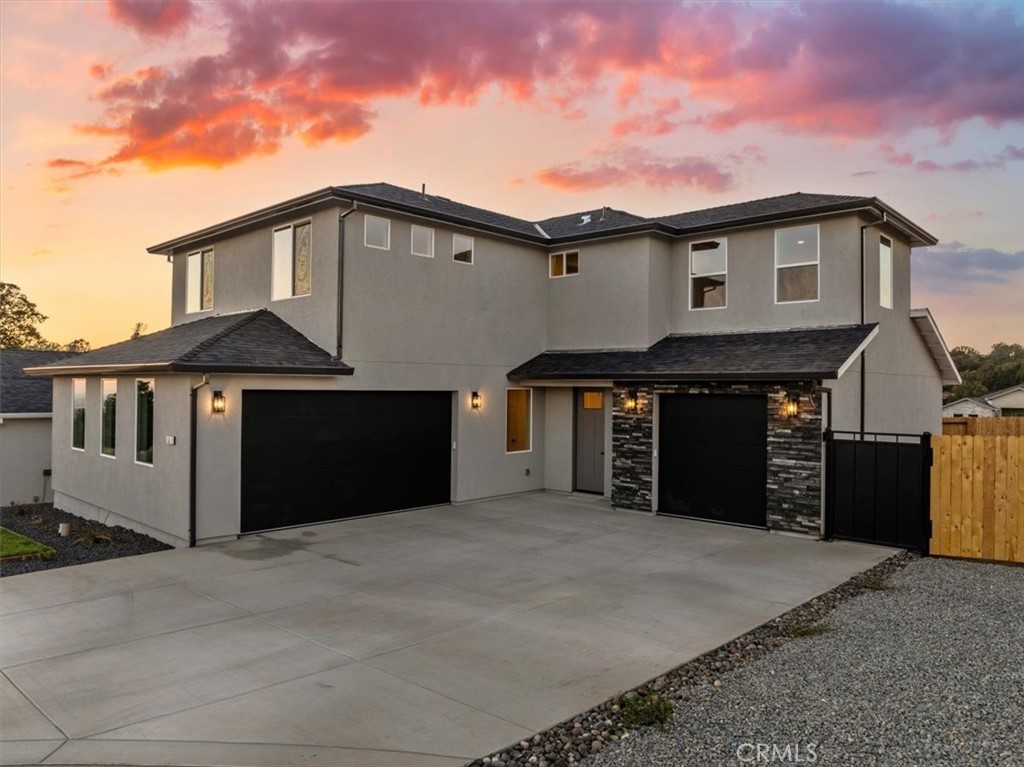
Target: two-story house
366	349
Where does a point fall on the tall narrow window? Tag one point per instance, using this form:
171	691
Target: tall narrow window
518	406
78	413
199	288
422	241
292	261
377	232
144	421
108	430
709	264
462	249
564	264
885	272
796	264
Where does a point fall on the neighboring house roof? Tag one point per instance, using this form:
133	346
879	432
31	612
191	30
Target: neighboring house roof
20	394
925	324
994	395
976	400
248	342
804	354
559	229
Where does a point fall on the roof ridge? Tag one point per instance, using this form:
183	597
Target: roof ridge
206	343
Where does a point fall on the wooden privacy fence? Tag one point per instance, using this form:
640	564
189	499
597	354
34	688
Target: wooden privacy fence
1011	426
977	496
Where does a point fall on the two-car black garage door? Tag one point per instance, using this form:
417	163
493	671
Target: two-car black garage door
713	457
311	456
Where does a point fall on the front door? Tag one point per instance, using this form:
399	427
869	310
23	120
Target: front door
590	440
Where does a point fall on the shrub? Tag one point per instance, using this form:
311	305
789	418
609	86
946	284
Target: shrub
646	711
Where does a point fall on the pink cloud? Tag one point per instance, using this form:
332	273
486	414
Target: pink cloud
624	164
314	70
156	18
905	159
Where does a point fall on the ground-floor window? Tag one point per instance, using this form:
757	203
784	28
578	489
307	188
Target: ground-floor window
144	421
108	430
78	413
518	407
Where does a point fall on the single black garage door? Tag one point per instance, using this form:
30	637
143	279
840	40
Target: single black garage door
311	456
713	457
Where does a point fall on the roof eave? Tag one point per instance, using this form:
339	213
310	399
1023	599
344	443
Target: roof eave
190	367
801	375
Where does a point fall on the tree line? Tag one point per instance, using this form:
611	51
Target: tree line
1001	368
18	320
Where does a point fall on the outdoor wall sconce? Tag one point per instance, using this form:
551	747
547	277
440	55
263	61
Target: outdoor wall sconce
475	400
219	404
630	404
791	405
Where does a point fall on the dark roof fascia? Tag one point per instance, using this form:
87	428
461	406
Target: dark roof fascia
804	375
646	227
188	367
307	203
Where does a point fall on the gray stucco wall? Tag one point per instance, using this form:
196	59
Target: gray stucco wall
242	279
154	498
558	438
24	454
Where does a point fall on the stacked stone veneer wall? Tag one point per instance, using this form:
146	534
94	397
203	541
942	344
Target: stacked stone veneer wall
795	453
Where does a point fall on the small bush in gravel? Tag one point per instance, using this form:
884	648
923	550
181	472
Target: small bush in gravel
646	711
91	536
874	582
807	629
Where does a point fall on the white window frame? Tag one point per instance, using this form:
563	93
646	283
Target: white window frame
564	256
412	241
188	282
529	419
290	258
85	412
690	275
472	249
135	451
366	232
885	298
103	400
817	263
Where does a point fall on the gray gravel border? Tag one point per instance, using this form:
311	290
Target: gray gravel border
927	672
600	728
39	521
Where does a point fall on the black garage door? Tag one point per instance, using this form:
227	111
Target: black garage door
713	457
310	456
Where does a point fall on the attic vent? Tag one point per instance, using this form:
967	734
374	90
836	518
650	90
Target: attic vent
585	219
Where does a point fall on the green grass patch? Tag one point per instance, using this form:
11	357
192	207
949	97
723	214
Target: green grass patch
646	711
874	583
14	545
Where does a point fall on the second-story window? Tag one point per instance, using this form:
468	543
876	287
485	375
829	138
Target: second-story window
885	272
422	241
462	249
292	261
564	264
709	265
796	264
199	281
377	232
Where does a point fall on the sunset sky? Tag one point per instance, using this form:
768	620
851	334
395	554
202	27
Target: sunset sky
128	123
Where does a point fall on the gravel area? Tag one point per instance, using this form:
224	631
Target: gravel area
89	541
929	671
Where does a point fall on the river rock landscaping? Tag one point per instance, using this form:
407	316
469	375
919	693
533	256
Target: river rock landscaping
88	541
924	667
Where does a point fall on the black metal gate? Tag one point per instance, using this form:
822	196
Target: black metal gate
877	488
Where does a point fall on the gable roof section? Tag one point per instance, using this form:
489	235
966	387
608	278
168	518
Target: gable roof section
249	342
20	394
1001	393
774	355
555	230
925	324
979	401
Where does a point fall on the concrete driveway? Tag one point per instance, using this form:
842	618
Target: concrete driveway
416	639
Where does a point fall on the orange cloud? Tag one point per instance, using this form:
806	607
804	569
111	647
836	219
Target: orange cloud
623	164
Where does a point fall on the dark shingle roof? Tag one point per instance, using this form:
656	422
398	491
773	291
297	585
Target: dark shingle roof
250	342
812	353
20	393
769	207
600	220
442	206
